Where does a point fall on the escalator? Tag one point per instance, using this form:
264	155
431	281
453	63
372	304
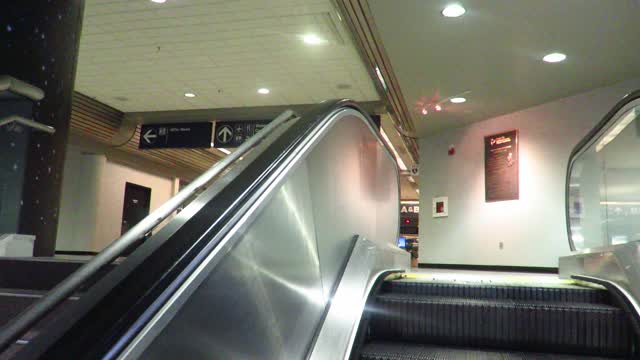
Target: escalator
593	313
408	320
248	267
286	249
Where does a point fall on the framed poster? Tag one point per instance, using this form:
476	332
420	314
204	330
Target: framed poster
501	162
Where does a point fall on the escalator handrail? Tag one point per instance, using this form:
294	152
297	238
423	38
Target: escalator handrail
18	326
583	144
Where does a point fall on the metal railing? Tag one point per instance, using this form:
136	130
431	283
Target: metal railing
66	288
26	122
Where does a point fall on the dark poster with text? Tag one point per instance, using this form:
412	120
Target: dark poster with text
501	176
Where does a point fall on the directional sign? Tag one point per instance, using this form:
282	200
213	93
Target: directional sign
179	135
230	134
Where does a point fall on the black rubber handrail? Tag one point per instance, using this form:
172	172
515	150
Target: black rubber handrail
586	141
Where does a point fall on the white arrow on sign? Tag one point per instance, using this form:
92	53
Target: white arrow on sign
225	134
149	136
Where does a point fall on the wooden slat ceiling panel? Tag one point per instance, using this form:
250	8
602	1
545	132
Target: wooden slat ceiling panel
99	122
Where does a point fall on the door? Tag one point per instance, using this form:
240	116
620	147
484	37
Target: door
137	200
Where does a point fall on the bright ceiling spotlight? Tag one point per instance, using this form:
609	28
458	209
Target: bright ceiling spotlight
263	91
424	111
453	11
457	100
554	57
159	1
189	95
313	39
438	107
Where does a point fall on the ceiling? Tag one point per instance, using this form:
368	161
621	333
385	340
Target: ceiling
136	55
494	51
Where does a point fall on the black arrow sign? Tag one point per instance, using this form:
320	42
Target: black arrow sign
177	135
230	134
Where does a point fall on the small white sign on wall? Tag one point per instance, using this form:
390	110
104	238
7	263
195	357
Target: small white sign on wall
440	206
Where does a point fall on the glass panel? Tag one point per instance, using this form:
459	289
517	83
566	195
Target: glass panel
604	185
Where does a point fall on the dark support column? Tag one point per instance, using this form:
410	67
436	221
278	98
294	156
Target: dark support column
39	43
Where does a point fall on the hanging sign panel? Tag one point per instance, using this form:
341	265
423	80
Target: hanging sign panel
230	134
175	136
501	175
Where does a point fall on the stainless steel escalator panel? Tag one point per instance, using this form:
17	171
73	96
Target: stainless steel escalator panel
262	297
262	293
369	261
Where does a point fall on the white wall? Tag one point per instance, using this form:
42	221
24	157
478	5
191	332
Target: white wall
78	212
93	199
532	229
111	200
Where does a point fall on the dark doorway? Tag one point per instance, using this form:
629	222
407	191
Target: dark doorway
137	200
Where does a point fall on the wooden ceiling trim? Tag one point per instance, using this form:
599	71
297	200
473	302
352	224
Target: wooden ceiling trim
94	120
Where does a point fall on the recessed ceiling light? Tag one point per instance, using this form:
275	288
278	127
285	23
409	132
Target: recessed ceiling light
263	91
457	100
554	57
453	10
159	1
189	95
313	39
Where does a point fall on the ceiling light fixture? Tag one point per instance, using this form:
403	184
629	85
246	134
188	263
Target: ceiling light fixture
453	11
159	1
438	107
189	95
554	57
457	100
263	91
313	39
424	111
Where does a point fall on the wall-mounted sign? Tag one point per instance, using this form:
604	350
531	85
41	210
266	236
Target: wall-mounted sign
179	135
440	206
230	134
409	217
501	175
409	209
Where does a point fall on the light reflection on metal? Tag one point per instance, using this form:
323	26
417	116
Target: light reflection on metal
617	128
401	164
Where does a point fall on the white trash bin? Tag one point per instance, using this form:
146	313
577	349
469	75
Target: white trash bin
16	245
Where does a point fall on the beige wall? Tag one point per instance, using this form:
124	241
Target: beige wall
93	196
532	230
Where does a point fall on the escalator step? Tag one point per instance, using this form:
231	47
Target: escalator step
576	328
408	351
540	293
